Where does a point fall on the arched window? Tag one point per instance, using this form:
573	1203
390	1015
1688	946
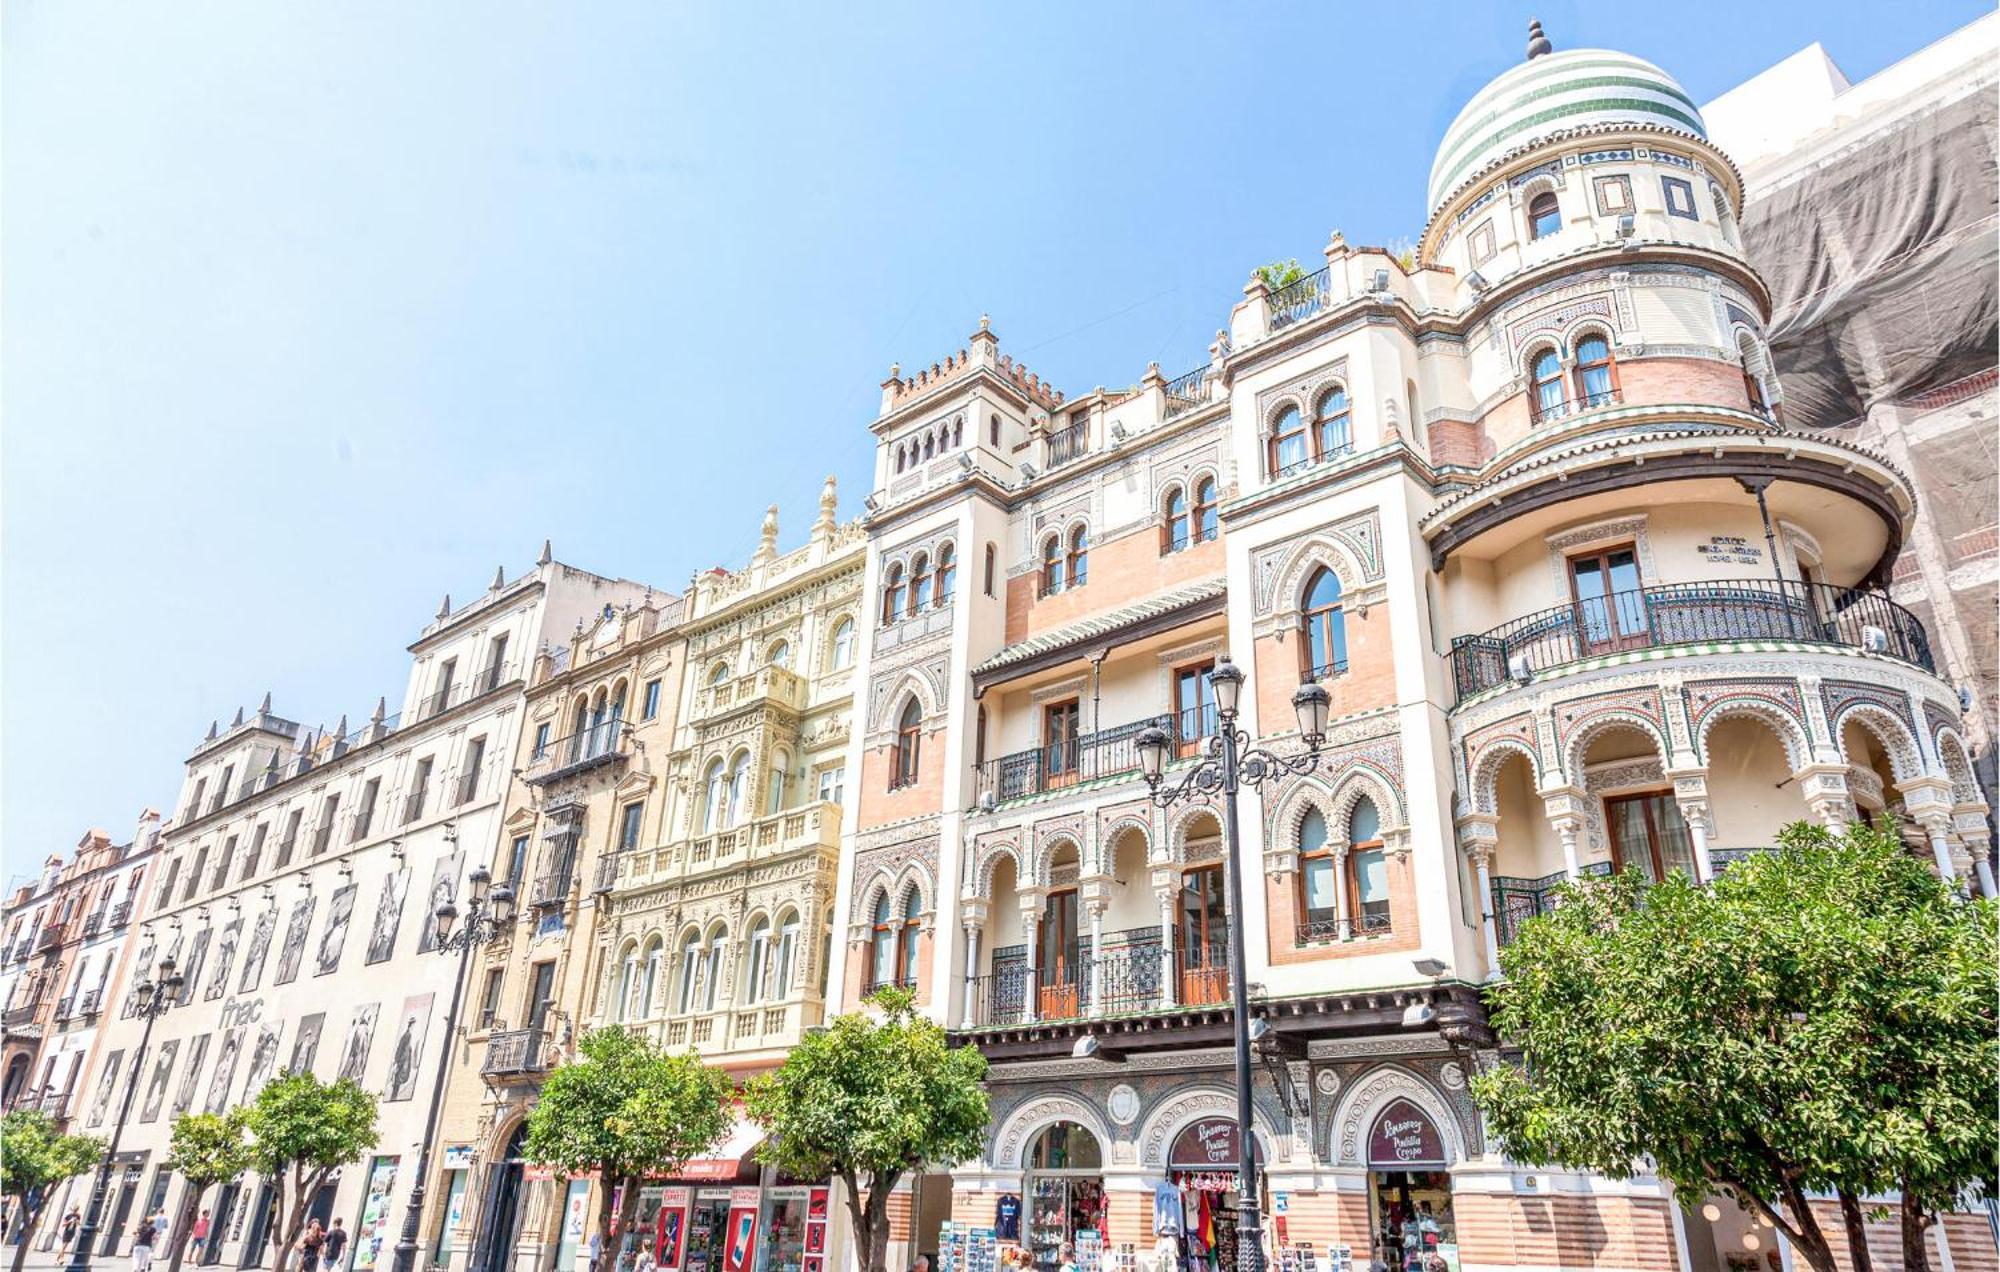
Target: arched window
1323	628
930	448
1596	373
1333	429
909	744
1319	899
714	793
1367	869
690	969
899	459
1206	525
947	573
758	957
780	654
1545	395
711	972
882	952
774	792
786	955
628	985
906	957
717	674
992	561
993	431
920	584
1174	531
842	655
1052	565
1288	443
1544	215
649	976
957	433
739	788
1079	556
892	595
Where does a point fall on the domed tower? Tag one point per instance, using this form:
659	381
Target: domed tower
1666	630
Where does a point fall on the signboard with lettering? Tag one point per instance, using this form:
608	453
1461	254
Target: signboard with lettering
1404	1137
1210	1144
1729	549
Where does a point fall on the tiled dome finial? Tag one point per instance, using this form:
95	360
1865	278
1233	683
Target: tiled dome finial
1538	43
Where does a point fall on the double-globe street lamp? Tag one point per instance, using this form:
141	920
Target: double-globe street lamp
489	910
152	998
1230	760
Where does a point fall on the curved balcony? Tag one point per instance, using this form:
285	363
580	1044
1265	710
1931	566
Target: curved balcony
774	686
1681	614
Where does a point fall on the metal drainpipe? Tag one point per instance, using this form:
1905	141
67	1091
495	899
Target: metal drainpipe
1757	486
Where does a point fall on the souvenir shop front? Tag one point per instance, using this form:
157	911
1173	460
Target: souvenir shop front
728	1214
1194	1208
1409	1192
1065	1198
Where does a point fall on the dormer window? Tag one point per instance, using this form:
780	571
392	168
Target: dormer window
1544	215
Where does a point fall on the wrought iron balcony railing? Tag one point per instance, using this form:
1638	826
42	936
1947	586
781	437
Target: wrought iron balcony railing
1069	444
1124	977
1297	301
587	748
516	1051
1685	613
1187	392
1063	762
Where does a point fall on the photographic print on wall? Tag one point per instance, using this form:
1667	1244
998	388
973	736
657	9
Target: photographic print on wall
332	941
225	960
196	961
263	1059
305	1044
408	1054
260	947
143	970
191	1076
225	1070
106	1081
360	1035
156	1086
295	942
444	887
388	916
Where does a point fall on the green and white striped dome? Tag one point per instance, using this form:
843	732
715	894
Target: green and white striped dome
1555	92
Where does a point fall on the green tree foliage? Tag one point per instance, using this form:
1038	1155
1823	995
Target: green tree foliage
1820	1018
625	1109
34	1155
867	1101
1277	274
206	1149
301	1131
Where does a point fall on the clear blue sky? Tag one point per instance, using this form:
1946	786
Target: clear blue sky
314	312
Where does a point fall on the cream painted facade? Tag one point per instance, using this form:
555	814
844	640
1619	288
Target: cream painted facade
1528	510
293	889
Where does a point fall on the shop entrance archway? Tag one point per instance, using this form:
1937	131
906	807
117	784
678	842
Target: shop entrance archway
502	1216
1410	1218
1065	1193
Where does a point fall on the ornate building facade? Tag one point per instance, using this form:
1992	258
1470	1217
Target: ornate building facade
294	890
1527	507
688	826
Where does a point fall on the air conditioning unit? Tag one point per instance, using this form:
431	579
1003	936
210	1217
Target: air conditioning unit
1382	281
1518	669
1628	225
1874	639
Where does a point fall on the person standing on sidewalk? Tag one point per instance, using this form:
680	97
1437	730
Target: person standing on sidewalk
336	1245
142	1245
310	1246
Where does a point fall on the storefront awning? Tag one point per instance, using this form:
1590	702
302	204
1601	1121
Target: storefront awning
726	1159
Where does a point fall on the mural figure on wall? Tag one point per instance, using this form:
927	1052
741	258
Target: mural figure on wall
260	946
156	1086
225	960
295	942
225	1070
403	1061
106	1081
191	1076
334	940
191	972
305	1045
263	1058
388	916
444	887
360	1034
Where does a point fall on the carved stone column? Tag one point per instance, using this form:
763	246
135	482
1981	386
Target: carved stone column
1480	852
1167	888
1031	924
1824	787
1565	809
972	914
1095	897
1691	793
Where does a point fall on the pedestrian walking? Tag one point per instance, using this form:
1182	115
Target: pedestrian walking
142	1246
70	1223
199	1233
336	1245
310	1247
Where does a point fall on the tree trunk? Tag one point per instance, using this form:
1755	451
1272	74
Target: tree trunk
1852	1219
604	1209
871	1222
1916	1251
1811	1240
28	1214
183	1225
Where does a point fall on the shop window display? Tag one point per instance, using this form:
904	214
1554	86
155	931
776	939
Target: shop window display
1409	1193
1066	1193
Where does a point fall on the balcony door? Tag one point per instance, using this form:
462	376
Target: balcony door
1610	610
1647	832
541	992
1204	937
1059	742
1059	957
1194	708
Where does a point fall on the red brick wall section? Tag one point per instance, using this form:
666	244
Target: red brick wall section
1327	1219
879	804
1122	572
1565	1232
1971	1239
973	1208
1459	442
1281	900
1128	1216
1368	682
1641	383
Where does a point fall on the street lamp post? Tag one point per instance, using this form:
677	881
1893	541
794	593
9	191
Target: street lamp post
1230	761
154	998
488	910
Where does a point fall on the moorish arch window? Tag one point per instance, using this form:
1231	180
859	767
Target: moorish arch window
842	655
892	594
1322	627
1287	445
906	953
1206	522
714	793
1052	565
1079	556
920	584
1367	869
759	956
908	755
785	955
1544	215
1596	371
1174	528
1318	897
882	943
690	969
1333	424
947	573
1546	398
